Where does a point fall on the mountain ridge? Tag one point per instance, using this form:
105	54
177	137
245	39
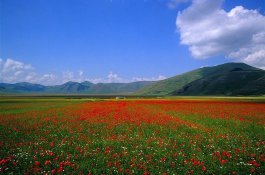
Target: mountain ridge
180	84
72	88
226	79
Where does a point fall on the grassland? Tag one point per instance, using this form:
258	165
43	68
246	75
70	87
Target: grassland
206	135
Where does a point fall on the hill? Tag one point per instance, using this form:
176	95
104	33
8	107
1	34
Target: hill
225	79
21	88
73	88
234	82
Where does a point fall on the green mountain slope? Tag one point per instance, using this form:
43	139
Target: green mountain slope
68	88
169	85
178	85
21	87
234	82
225	79
118	87
73	88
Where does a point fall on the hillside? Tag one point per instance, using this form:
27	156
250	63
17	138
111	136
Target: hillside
234	82
73	88
225	79
21	88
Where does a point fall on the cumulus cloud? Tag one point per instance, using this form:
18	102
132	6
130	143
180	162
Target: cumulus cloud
80	73
12	71
110	78
68	76
1	64
209	30
160	77
49	79
114	78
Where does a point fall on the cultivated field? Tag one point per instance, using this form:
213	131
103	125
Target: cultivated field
151	136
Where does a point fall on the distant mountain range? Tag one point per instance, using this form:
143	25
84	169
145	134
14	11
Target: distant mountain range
73	88
226	79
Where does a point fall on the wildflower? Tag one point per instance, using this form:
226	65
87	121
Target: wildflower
186	161
53	171
47	162
254	163
224	161
37	163
203	168
60	170
67	163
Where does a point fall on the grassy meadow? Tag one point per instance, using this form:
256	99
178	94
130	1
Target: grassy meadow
132	136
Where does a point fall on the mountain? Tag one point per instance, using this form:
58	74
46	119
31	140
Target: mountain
235	81
225	79
69	88
119	87
23	87
167	86
73	88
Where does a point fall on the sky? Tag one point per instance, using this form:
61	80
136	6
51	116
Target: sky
54	41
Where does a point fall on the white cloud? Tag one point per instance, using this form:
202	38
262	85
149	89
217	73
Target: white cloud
31	77
209	30
68	76
77	76
10	66
95	80
49	79
81	73
114	78
160	77
110	78
1	64
12	71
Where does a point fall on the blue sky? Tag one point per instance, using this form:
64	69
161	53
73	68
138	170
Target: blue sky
54	41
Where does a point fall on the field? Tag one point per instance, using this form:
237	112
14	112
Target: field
147	136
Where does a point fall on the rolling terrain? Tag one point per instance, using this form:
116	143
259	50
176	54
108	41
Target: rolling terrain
225	79
73	88
230	79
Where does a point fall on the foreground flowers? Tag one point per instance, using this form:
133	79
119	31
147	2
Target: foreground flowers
133	137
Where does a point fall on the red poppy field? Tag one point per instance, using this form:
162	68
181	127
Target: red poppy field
159	136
